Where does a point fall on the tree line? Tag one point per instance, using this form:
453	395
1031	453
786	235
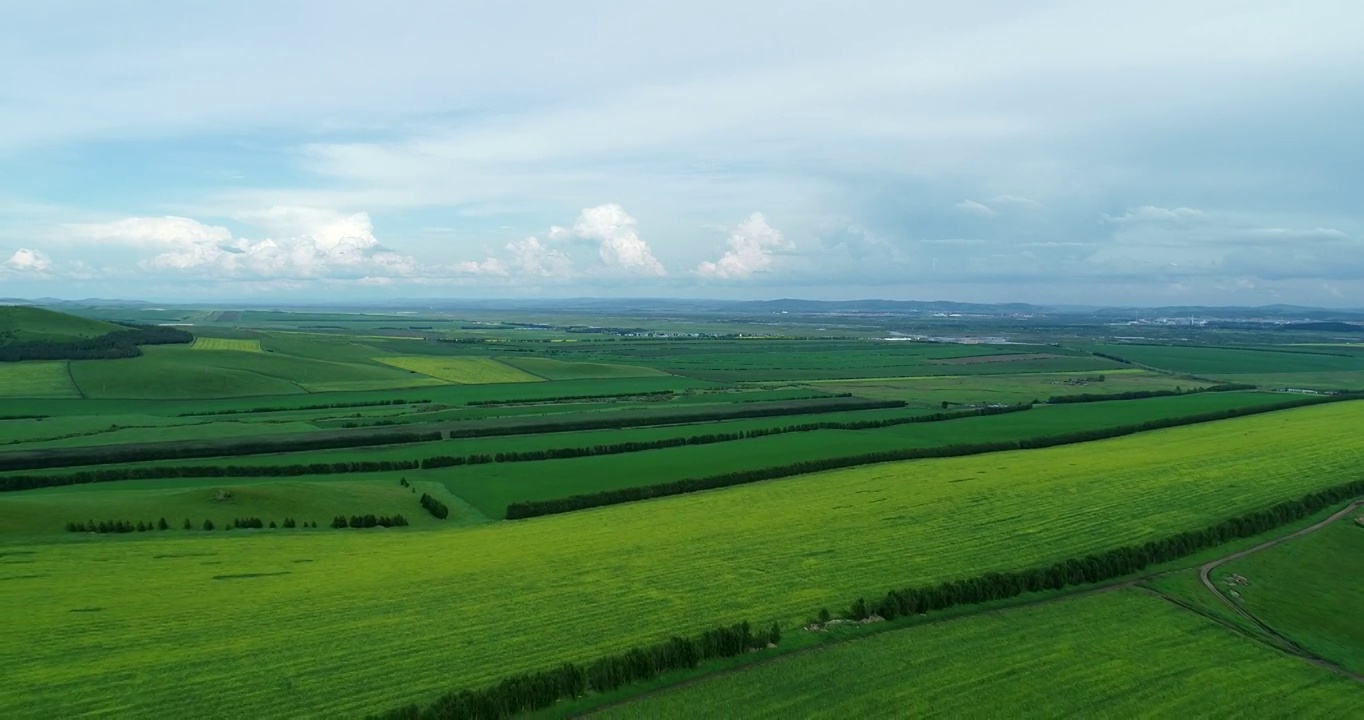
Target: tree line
161	472
536	691
127	526
1144	394
568	398
103	455
536	508
437	508
112	345
608	423
1097	567
369	521
326	406
565	453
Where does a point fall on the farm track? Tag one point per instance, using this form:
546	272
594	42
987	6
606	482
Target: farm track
1130	583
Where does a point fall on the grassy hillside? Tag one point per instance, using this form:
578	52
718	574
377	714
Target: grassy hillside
1122	654
423	612
21	324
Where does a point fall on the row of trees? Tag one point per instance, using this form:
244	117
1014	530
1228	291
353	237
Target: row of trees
708	439
536	508
609	423
1143	394
160	472
437	508
103	455
126	526
651	394
536	691
325	406
116	344
369	521
1097	567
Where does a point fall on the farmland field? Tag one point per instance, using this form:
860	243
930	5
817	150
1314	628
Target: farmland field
217	343
601	580
1014	388
1218	362
36	380
559	370
1121	654
461	370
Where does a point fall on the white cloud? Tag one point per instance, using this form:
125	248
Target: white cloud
532	257
971	207
621	248
751	247
28	260
314	243
1153	214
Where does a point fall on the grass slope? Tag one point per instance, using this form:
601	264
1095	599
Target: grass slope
423	612
1308	589
19	323
1121	654
41	379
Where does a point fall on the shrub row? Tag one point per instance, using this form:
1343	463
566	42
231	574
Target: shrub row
437	508
116	344
537	691
28	482
568	398
708	439
327	406
34	459
369	521
606	423
1143	394
124	526
1098	567
536	508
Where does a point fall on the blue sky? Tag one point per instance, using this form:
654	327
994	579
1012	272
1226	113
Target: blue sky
1076	152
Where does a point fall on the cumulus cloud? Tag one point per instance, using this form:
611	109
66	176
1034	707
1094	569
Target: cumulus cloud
1153	214
310	243
621	249
28	260
971	207
751	248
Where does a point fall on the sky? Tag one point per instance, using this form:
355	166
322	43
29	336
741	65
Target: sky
1193	152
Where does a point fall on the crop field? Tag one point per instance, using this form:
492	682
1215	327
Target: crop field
1120	654
461	370
36	380
1013	388
218	343
559	370
1218	362
600	580
1308	590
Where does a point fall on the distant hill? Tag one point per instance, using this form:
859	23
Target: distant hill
26	324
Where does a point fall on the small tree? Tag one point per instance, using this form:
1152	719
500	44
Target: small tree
208	524
272	524
162	524
824	616
188	525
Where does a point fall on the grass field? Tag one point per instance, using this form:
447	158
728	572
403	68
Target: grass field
1120	654
559	370
431	610
217	343
461	370
1014	388
1218	362
1308	589
36	380
20	323
33	514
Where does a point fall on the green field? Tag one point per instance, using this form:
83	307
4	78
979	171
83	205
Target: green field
1308	590
1219	362
461	370
41	379
431	611
22	324
1118	654
559	370
217	343
1016	388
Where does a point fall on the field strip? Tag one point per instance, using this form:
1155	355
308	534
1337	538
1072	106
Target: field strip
1120	371
233	344
461	370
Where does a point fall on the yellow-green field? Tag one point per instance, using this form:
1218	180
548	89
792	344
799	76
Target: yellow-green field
36	379
331	624
212	343
461	370
1121	654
